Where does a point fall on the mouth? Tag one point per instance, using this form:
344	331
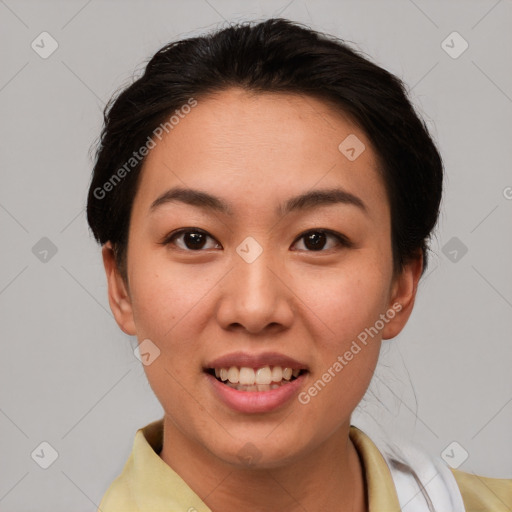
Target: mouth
256	383
264	378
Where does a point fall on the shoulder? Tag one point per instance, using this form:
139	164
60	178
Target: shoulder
483	494
118	497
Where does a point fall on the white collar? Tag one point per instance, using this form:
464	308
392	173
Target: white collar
433	488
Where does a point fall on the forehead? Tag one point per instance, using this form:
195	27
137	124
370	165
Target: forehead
269	145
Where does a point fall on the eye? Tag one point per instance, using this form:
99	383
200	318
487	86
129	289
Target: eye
316	239
193	239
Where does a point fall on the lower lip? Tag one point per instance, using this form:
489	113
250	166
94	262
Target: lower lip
256	401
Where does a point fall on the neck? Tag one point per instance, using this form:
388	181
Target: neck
331	477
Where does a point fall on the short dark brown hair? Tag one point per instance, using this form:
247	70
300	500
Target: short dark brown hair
275	55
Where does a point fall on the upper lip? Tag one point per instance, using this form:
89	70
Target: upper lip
256	361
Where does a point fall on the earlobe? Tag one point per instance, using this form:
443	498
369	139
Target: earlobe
403	295
118	296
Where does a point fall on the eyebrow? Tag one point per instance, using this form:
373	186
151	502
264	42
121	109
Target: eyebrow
305	201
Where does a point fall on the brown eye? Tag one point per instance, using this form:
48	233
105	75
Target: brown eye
191	239
316	240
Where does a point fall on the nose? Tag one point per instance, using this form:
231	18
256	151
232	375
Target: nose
256	296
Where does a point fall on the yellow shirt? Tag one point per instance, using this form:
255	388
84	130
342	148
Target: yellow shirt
148	484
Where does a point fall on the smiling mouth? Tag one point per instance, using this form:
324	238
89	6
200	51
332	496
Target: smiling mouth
265	378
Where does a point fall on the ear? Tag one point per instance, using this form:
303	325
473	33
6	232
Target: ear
118	295
403	294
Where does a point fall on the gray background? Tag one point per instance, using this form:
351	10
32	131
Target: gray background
68	374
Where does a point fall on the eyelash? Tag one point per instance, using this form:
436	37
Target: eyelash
342	240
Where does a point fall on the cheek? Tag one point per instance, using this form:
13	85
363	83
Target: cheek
348	305
163	306
347	349
344	300
164	296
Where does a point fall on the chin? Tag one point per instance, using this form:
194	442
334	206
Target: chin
259	451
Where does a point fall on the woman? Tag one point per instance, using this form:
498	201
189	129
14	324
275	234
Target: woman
264	196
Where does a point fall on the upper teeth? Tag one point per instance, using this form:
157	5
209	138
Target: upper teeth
250	376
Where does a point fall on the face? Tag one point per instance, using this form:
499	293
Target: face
245	279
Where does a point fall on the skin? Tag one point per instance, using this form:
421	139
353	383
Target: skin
255	151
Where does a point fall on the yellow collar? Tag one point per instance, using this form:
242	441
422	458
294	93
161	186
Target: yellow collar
148	484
